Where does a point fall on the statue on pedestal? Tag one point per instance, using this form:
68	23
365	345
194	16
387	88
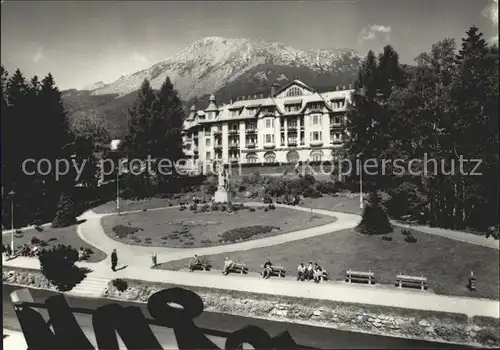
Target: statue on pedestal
222	194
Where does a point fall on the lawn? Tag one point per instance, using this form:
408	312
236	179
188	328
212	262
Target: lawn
445	262
342	204
175	228
55	236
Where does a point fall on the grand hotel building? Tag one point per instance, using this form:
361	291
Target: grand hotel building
295	123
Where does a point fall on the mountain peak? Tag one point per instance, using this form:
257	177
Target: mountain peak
94	86
212	62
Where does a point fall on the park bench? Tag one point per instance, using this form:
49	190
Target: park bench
276	270
203	266
359	276
240	268
411	281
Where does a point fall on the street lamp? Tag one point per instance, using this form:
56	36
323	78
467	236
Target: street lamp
11	195
118	189
360	185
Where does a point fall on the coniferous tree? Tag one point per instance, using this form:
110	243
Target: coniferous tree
166	129
374	220
66	211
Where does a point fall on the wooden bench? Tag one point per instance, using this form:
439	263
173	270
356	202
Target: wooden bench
360	276
276	270
411	281
240	268
200	266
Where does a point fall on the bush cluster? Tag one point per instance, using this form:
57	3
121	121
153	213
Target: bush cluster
120	284
58	266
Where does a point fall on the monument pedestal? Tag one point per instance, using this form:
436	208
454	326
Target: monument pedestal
222	197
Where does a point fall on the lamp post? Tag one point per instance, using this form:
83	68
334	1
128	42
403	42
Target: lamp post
11	195
361	188
360	184
118	189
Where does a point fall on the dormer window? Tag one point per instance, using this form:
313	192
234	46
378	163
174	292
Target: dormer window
292	108
294	91
234	113
251	111
338	103
316	106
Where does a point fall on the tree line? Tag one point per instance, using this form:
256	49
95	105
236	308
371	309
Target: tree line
35	126
154	129
445	109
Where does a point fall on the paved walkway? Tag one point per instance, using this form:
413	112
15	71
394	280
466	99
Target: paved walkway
92	232
139	260
324	291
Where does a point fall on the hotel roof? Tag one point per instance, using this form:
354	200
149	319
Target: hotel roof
279	101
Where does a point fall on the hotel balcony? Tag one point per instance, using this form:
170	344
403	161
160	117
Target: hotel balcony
292	143
268	145
186	144
336	142
251	130
251	145
234	131
195	150
316	143
292	128
218	146
234	159
335	125
234	146
218	133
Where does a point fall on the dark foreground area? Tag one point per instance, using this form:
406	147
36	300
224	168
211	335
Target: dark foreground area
307	336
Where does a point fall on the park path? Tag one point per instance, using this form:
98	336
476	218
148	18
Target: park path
337	291
455	235
92	232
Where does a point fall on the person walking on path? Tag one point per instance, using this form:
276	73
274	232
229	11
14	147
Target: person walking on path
114	260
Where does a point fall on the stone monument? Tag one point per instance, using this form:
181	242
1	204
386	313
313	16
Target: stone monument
222	194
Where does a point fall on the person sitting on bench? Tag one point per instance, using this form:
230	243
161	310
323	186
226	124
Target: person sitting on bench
301	270
228	265
317	273
266	272
309	271
195	262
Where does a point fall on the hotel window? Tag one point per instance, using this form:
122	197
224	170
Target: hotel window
251	111
316	106
252	160
292	108
336	120
294	91
316	136
316	157
269	138
207	155
269	123
251	126
316	119
207	142
292	123
207	132
234	113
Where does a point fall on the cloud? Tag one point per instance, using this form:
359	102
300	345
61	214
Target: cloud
39	55
370	32
491	12
137	57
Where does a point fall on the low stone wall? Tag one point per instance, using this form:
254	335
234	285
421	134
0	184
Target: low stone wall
26	277
431	326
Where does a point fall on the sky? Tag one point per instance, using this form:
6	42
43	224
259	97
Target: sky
83	42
